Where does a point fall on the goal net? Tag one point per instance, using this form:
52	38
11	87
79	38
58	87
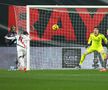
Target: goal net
62	47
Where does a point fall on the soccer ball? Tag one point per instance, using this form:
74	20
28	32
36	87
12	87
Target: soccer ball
55	27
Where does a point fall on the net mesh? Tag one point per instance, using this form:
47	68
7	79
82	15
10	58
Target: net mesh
60	48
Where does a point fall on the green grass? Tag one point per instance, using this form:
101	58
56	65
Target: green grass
54	80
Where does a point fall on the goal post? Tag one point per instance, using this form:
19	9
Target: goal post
21	25
28	44
62	48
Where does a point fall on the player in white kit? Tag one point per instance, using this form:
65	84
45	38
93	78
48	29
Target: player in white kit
22	41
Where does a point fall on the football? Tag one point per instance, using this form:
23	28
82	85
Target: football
55	27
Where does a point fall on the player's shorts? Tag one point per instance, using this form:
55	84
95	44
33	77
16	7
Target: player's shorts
98	49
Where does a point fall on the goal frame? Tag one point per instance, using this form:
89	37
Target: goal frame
48	6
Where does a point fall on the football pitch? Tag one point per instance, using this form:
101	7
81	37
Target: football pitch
54	80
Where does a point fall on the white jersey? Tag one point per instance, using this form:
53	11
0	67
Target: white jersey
21	40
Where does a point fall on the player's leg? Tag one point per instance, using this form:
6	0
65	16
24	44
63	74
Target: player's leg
88	51
103	62
102	58
19	54
102	53
20	60
24	58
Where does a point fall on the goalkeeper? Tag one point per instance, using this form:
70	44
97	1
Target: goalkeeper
95	40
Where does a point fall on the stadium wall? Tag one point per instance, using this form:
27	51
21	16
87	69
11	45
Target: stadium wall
46	58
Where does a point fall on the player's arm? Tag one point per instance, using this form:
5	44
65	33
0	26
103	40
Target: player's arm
89	41
104	39
10	38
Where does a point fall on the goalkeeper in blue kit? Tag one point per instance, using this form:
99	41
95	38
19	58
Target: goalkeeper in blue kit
96	45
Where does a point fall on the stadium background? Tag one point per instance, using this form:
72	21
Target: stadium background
45	79
6	21
4	9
